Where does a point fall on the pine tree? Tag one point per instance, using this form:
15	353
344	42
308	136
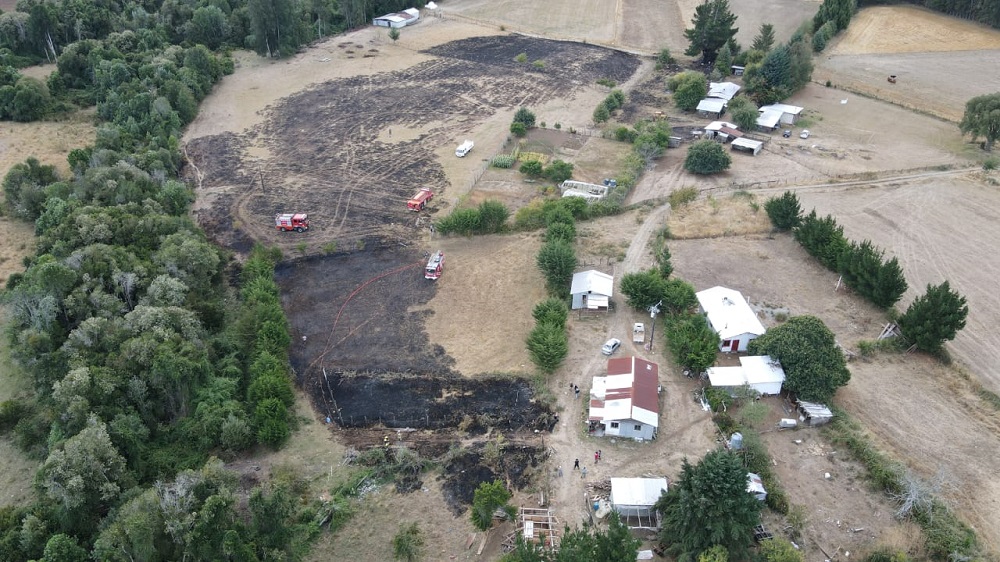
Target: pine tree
764	39
713	27
934	318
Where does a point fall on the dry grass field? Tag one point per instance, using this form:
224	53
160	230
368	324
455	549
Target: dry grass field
940	61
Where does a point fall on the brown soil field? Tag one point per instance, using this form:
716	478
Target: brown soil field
940	62
727	215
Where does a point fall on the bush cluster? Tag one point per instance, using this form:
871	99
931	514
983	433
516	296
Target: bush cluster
614	101
490	217
548	342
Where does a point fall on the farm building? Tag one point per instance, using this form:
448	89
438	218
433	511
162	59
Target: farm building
760	372
737	70
625	402
731	317
711	107
721	131
589	191
771	116
592	290
748	145
399	19
722	90
633	499
811	413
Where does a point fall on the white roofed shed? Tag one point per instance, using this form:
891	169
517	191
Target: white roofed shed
633	499
592	290
731	317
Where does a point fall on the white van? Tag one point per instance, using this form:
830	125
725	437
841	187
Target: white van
464	148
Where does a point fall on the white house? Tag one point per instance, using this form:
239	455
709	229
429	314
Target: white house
786	114
399	19
760	372
592	290
722	90
625	402
711	107
731	317
633	499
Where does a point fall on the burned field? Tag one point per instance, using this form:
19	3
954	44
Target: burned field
328	150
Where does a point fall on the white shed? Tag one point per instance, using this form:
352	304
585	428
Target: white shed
711	107
787	114
760	372
723	90
592	290
633	499
731	317
398	19
748	145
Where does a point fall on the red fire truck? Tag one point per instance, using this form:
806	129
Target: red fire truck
435	265
291	221
420	199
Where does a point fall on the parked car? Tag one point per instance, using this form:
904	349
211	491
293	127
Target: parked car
804	134
787	133
611	346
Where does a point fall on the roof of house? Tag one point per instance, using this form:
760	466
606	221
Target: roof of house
731	132
592	282
628	392
761	369
711	105
723	90
812	409
726	376
719	125
728	312
783	107
769	119
748	143
637	491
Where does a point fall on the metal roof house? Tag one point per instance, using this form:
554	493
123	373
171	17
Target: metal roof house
592	290
723	90
778	113
731	317
711	107
633	499
626	402
760	372
399	19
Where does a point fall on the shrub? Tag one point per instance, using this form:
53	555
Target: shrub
548	345
518	129
707	157
559	171
680	197
521	57
538	64
601	114
11	411
461	221
557	261
532	168
784	211
551	311
493	217
625	134
504	161
991	163
524	115
606	82
563	231
663	59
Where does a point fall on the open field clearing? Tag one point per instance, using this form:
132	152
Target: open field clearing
941	62
920	410
639	25
937	229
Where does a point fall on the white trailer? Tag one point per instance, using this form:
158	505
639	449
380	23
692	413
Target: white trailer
639	333
464	148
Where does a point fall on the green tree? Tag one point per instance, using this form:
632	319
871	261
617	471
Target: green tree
689	88
493	216
780	550
560	231
744	113
863	269
518	129
63	548
277	28
31	100
525	116
664	265
813	363
707	157
678	296
408	543
551	311
559	171
713	27
557	260
208	26
394	34
709	505
982	119
784	211
724	62
934	318
764	39
548	345
532	168
24	187
823	238
692	342
601	114
664	59
643	289
271	420
717	553
489	496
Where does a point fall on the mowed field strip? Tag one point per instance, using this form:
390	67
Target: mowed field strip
940	61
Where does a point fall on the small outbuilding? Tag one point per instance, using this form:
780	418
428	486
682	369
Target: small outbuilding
730	315
626	402
749	146
633	499
760	373
398	19
787	114
711	107
737	70
592	290
812	414
723	90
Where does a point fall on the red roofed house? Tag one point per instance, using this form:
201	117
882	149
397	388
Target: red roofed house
626	403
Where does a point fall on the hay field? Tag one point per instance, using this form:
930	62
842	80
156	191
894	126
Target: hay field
940	61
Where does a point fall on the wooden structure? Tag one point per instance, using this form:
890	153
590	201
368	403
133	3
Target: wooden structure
539	526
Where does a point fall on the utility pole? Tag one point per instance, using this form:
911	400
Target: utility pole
653	311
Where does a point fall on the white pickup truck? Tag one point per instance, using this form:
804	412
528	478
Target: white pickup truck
639	333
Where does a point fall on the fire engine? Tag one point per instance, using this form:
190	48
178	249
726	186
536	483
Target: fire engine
291	221
420	199
435	265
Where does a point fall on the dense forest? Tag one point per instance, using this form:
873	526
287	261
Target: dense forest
148	365
981	11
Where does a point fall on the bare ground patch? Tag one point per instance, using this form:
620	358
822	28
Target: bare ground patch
725	215
886	30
